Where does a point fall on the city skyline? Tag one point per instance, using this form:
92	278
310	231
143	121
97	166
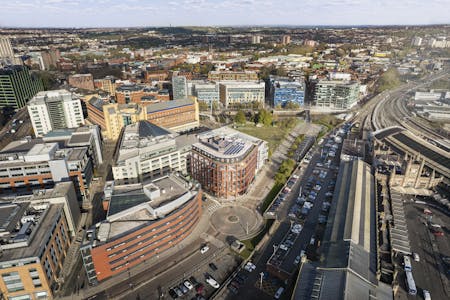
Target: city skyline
131	13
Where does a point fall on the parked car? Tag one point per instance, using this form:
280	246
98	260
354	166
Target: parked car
204	249
188	284
178	292
183	288
212	282
173	294
199	288
213	266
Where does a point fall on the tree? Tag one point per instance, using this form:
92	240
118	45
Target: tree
292	105
240	117
264	117
389	80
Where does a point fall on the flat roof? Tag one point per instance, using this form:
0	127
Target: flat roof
164	105
48	218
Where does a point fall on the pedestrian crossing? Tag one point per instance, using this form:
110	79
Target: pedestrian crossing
213	207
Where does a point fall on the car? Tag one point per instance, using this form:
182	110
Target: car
328	194
188	284
302	253
204	249
212	282
426	295
233	289
251	265
235	284
183	289
312	241
297	260
193	280
199	288
242	275
213	266
284	247
173	294
178	292
416	257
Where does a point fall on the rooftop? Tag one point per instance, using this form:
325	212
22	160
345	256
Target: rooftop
35	222
133	204
164	105
50	96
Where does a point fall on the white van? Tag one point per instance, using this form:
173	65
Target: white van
279	292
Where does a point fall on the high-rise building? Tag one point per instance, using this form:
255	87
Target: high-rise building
416	41
55	110
179	87
148	151
7	54
237	93
256	39
286	39
283	90
17	86
336	94
225	161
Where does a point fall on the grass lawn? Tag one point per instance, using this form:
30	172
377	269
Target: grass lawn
272	135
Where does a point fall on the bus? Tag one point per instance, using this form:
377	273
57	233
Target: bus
410	284
407	262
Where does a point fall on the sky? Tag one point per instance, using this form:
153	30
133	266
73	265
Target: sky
114	13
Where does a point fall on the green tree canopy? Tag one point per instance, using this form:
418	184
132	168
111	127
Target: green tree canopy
240	117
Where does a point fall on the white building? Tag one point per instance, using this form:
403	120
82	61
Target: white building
148	151
207	92
54	110
237	92
416	41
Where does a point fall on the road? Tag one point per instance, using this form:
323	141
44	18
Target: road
252	288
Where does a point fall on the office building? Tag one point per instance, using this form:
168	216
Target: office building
55	110
349	267
143	221
284	90
35	241
148	151
85	136
179	87
30	164
107	84
116	116
226	161
335	94
94	106
232	76
17	86
235	94
177	115
206	92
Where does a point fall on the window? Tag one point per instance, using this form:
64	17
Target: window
13	282
35	277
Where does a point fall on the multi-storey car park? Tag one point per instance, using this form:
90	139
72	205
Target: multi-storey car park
143	221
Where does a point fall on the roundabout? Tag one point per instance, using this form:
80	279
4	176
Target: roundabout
238	221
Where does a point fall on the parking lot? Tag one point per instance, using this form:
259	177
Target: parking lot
432	271
193	284
302	208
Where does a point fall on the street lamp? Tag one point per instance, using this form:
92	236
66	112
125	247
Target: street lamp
261	280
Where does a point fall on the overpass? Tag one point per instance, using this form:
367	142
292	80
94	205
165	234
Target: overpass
404	142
